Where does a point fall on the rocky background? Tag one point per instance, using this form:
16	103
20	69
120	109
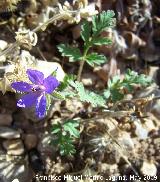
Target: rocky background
107	146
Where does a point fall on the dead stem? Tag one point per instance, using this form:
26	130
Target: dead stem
54	18
146	99
15	44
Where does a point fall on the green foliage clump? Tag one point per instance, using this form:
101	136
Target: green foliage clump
65	135
117	86
91	35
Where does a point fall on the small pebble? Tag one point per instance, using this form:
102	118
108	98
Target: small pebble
148	168
9	133
14	147
30	141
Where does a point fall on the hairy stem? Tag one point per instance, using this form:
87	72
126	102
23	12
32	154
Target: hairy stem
80	70
82	62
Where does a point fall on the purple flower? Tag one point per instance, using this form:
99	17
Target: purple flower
36	91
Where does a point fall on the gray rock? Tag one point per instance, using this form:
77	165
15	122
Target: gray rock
26	126
9	133
48	67
15	168
14	147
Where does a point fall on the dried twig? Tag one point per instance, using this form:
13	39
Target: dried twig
16	44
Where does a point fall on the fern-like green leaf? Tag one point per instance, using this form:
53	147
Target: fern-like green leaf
99	41
70	126
134	78
95	59
117	86
86	31
66	146
73	53
64	135
87	96
102	21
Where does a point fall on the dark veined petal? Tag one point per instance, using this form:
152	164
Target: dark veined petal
50	83
27	100
21	86
35	76
41	106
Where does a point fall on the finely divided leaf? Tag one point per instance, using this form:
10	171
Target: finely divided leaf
65	82
134	78
117	87
70	126
116	95
66	146
56	128
87	96
95	58
64	136
79	88
107	93
94	99
101	41
73	53
144	80
102	21
85	31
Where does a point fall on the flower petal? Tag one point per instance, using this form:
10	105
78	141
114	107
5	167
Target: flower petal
50	83
35	76
27	100
22	86
41	106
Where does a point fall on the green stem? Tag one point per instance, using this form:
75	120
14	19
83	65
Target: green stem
82	62
80	70
86	49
